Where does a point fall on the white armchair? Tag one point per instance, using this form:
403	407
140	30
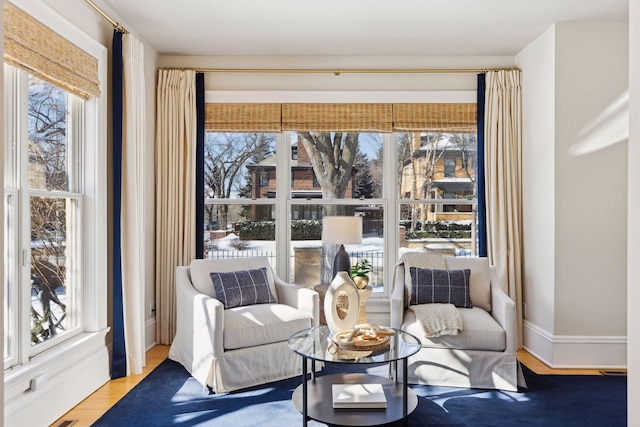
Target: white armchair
234	348
483	354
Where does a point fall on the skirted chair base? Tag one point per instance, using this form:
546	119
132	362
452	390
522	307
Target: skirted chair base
464	368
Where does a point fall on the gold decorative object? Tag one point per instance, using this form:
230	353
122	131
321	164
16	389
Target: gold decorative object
359	273
361	281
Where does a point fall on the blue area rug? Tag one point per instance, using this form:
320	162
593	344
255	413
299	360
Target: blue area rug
169	396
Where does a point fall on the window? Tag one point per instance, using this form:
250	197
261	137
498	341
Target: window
429	204
43	221
449	167
264	178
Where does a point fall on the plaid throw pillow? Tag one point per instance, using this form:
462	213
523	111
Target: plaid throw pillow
246	287
440	286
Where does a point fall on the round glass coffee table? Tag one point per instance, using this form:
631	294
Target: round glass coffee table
313	398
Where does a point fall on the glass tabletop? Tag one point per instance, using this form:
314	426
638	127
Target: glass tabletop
316	343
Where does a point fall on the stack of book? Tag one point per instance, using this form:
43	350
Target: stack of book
358	396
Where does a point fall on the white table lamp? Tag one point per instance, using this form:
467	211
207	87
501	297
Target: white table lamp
341	230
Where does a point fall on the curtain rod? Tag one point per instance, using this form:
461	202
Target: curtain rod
337	72
115	24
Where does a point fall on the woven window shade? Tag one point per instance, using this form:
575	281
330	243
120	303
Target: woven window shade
450	118
242	117
337	117
35	48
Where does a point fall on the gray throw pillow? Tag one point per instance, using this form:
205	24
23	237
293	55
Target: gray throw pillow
246	287
440	286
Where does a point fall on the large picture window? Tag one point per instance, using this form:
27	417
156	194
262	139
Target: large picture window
268	193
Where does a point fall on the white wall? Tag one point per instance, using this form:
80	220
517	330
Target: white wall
537	62
580	172
591	185
633	279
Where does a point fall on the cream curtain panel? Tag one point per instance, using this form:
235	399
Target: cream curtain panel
132	211
503	182
40	51
175	195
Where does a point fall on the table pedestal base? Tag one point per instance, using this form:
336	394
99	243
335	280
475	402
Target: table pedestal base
320	401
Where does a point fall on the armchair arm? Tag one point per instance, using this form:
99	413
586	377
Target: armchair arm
503	310
199	328
397	298
305	300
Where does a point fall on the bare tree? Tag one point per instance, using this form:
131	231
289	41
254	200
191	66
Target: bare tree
332	156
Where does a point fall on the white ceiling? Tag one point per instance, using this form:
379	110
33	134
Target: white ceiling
353	27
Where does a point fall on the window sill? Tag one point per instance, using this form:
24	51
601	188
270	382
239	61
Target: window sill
58	367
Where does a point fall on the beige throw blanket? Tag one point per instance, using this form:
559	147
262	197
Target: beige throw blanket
438	319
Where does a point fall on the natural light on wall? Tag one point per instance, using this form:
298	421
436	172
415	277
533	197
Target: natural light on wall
609	127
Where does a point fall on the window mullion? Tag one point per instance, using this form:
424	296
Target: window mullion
392	209
283	212
23	219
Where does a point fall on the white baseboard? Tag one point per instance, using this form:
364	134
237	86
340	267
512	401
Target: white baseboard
575	352
150	333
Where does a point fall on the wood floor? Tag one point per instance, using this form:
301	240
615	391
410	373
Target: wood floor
90	409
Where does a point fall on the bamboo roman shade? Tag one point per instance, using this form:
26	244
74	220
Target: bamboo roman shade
451	118
35	48
242	117
337	117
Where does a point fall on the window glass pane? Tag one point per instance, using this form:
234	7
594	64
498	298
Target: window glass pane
51	290
240	165
437	169
445	228
48	148
437	165
312	262
250	231
334	165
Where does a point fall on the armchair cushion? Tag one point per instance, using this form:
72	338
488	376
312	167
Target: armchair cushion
200	270
440	286
480	332
245	287
259	324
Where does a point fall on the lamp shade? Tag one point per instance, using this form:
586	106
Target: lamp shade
340	230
